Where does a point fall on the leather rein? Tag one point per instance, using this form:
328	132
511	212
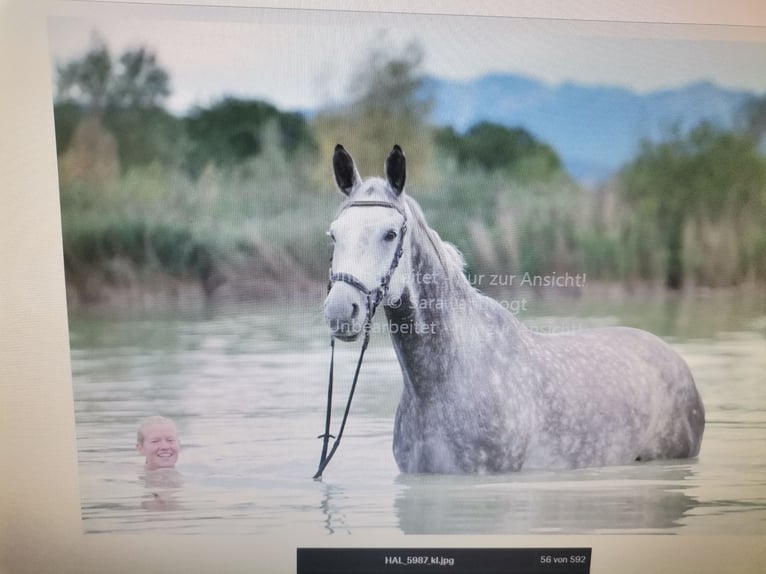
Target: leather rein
373	297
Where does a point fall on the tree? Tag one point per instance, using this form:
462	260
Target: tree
141	82
96	82
495	147
387	105
234	130
87	82
753	114
126	97
391	85
707	175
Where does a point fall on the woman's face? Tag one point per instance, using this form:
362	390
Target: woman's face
160	446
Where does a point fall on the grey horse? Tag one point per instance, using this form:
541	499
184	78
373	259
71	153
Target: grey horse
482	392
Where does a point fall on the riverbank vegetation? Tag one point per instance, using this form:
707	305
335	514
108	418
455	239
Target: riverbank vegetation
232	200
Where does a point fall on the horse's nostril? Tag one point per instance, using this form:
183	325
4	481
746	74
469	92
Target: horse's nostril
354	310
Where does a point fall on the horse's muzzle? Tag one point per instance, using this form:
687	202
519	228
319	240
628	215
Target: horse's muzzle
345	312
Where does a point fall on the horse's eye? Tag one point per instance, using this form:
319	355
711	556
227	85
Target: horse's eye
390	235
331	236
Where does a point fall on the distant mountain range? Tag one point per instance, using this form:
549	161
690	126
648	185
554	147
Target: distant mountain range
594	129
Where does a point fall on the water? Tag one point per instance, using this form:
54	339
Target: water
247	387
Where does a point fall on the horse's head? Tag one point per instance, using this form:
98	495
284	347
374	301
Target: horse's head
369	263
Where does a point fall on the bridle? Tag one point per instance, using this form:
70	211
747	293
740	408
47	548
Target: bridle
376	295
373	297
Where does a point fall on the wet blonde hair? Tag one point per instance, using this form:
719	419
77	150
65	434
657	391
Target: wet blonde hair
150	421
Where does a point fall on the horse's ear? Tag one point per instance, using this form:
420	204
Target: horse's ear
346	175
396	169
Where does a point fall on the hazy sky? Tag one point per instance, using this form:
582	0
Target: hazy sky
302	59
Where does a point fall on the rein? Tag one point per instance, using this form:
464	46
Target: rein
374	298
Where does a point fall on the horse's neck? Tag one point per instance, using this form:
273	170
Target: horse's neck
442	322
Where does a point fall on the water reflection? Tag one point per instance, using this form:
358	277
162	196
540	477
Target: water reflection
646	498
162	488
331	511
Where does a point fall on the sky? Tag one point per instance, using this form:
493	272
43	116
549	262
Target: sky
303	59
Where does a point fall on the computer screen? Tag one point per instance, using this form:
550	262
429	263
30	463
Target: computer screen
520	251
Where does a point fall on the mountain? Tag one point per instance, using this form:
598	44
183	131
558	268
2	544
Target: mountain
595	129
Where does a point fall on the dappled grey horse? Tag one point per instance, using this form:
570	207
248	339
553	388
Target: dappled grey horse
483	393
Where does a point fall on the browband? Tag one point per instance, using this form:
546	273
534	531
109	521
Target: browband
389	204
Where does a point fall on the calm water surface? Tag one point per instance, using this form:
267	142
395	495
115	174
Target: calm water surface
247	388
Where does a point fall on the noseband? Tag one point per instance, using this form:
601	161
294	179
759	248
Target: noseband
376	295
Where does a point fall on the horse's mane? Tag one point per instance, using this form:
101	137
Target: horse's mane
451	259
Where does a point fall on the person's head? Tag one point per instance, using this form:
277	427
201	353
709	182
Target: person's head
157	441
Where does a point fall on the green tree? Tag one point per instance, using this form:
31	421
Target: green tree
97	82
126	96
707	175
87	82
391	84
234	130
140	82
492	147
387	105
753	115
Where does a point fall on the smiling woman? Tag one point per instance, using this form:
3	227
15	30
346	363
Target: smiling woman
157	441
